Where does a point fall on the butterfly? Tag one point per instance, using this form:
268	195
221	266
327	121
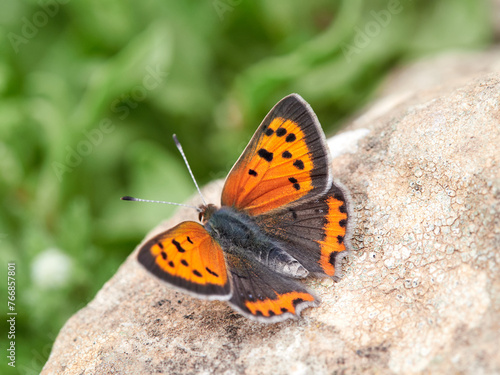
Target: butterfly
281	218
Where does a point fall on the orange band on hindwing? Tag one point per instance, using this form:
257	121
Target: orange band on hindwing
284	303
335	231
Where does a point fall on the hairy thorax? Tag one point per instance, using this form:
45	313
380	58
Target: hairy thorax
236	232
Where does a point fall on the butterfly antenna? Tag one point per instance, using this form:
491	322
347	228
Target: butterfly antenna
128	198
179	147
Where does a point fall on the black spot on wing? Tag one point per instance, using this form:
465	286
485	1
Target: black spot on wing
212	272
294	182
343	223
197	273
180	249
340	239
171	264
266	155
286	155
290	137
333	255
184	263
299	164
164	255
251	172
339	196
281	132
269	132
189	240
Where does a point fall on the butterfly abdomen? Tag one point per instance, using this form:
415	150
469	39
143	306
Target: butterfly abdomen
237	233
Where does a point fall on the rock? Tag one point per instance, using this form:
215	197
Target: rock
420	292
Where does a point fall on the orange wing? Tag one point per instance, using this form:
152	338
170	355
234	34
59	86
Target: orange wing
187	257
286	162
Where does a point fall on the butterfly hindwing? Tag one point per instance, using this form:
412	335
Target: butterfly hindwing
286	162
316	233
187	257
260	294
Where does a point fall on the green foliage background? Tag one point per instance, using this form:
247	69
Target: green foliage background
220	66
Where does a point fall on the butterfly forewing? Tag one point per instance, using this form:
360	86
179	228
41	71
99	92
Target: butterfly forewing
186	256
286	162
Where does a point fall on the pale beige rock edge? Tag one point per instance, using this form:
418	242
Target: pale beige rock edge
420	292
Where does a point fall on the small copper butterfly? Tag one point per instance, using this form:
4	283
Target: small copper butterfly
281	218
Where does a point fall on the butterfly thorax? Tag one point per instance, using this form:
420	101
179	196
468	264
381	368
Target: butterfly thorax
237	233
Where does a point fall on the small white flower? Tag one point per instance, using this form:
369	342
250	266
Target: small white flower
51	269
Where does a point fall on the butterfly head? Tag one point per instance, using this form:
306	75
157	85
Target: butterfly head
206	211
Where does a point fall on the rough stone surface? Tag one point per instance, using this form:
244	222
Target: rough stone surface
420	292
